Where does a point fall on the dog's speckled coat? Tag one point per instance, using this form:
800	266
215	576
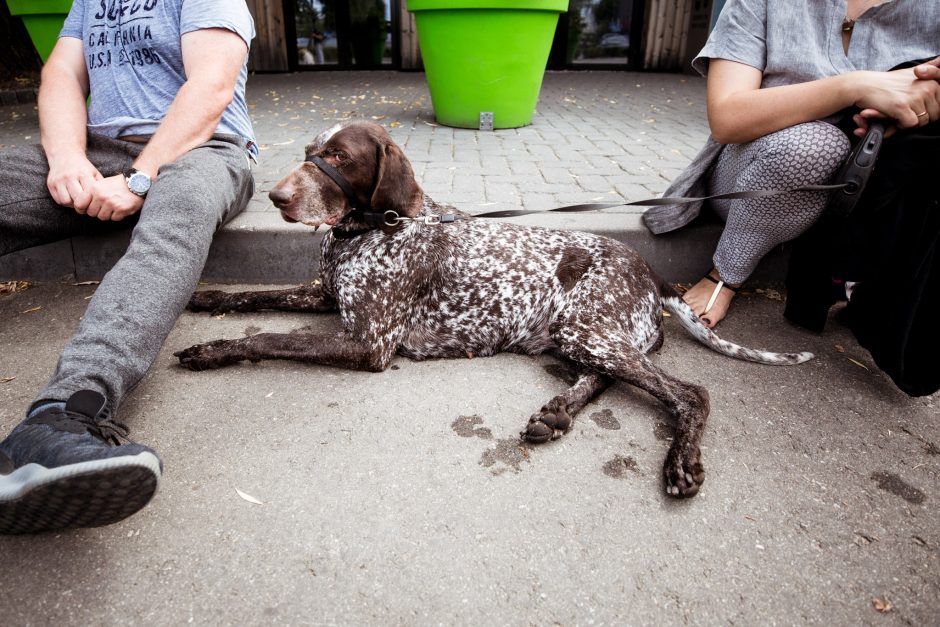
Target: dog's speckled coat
471	288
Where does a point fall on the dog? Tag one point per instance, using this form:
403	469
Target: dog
415	278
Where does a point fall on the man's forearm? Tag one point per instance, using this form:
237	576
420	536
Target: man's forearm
63	117
191	120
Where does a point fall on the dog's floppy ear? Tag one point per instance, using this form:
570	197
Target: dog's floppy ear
395	185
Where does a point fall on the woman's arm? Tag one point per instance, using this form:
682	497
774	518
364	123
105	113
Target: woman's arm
740	111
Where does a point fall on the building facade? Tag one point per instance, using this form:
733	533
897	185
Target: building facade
297	35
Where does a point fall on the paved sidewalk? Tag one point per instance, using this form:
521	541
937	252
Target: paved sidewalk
598	136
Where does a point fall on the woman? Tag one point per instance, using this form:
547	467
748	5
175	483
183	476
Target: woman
779	75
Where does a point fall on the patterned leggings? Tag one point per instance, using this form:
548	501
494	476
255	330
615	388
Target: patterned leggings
805	154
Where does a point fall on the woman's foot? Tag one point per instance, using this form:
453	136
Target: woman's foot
710	298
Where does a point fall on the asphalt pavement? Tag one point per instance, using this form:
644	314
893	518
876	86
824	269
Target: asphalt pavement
298	494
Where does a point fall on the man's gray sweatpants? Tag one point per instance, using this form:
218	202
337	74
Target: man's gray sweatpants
139	300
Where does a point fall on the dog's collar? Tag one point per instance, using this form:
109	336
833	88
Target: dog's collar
362	211
345	234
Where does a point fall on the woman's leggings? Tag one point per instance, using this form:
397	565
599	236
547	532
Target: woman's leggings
805	154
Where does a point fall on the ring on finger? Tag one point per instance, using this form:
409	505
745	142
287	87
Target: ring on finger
920	115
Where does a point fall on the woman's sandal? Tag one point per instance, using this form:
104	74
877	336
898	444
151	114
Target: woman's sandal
719	283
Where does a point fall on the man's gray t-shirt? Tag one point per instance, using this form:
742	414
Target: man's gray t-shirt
133	53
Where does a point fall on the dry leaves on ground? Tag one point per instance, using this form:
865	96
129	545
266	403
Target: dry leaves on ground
770	293
882	605
10	287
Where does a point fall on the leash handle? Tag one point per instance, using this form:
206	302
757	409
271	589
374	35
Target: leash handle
857	169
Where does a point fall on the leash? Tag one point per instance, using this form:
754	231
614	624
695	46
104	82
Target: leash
391	218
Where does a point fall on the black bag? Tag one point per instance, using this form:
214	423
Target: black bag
890	243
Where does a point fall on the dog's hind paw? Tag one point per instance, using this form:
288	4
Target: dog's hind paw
683	476
550	423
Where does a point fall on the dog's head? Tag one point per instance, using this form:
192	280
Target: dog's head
363	153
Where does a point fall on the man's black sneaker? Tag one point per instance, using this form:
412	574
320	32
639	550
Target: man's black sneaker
67	468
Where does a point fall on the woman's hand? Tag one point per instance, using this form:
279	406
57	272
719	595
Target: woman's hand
911	97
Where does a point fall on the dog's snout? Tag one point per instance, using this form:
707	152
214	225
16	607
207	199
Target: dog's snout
281	195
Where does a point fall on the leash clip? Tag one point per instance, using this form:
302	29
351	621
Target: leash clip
391	218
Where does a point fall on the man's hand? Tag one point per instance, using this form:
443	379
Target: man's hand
71	180
111	200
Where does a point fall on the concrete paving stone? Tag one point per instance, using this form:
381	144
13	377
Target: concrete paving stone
523	168
534	199
555	172
502	192
594	183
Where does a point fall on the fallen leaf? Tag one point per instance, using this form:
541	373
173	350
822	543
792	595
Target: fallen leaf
33	310
858	363
6	379
87	283
11	287
882	605
840	348
248	497
394	124
772	294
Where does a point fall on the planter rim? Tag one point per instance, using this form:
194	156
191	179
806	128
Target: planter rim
38	7
535	5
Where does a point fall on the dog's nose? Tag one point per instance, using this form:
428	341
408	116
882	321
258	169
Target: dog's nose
281	196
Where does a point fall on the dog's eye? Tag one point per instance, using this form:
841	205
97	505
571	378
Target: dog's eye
339	155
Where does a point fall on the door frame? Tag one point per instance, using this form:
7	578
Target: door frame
344	46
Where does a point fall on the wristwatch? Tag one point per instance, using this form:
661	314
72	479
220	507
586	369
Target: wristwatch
137	182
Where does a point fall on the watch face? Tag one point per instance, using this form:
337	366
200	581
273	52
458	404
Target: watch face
139	183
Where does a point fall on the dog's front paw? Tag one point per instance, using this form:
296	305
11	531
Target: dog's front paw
549	423
207	356
683	472
214	301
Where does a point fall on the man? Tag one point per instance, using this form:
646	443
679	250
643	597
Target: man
162	146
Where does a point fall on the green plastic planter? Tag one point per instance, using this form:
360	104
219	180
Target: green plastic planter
43	20
485	56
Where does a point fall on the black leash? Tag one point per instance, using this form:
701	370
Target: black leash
653	202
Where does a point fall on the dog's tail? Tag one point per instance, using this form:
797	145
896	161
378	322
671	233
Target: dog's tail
674	304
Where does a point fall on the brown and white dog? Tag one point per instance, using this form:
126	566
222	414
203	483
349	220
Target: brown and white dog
470	286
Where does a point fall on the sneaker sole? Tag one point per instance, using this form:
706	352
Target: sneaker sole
88	494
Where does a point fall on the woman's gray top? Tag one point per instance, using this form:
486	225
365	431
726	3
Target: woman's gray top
797	41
